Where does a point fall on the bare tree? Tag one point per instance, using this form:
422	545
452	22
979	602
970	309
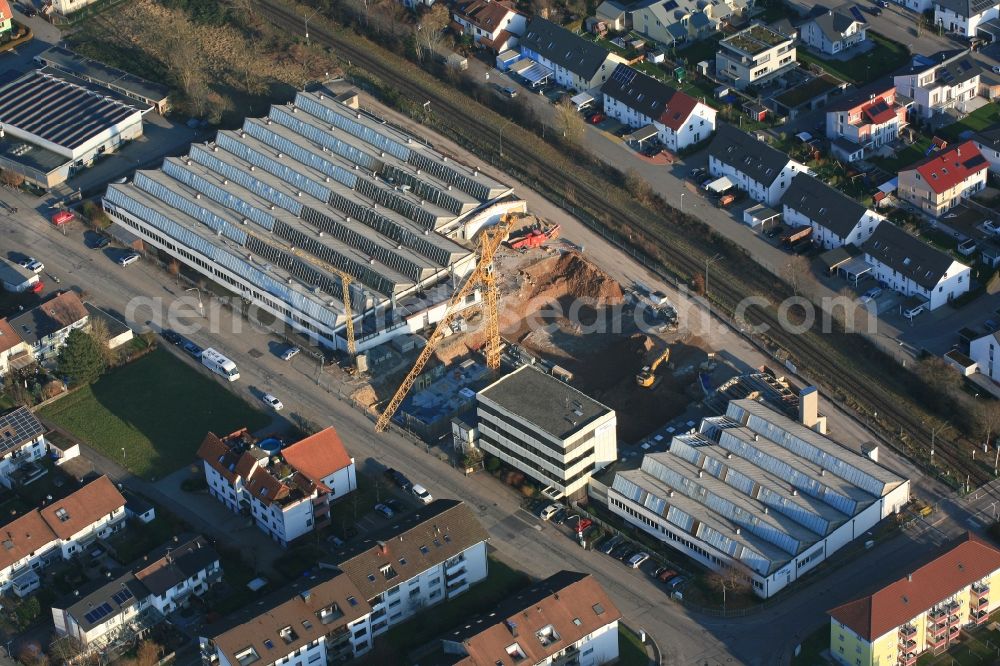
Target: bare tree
99	331
11	178
796	271
729	581
569	122
148	654
429	29
988	416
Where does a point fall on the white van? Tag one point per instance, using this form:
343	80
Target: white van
219	364
130	258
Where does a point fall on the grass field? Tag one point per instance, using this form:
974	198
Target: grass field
904	157
980	119
631	651
886	57
158	409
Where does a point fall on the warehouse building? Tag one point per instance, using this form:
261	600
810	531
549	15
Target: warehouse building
547	429
53	124
281	210
758	492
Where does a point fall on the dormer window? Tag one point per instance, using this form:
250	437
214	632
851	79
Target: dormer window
288	635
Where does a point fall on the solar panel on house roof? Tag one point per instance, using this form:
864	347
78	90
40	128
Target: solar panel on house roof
17	427
98	613
122	596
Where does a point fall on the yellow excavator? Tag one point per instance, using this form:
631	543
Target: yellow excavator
647	377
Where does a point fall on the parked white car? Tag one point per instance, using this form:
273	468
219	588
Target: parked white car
272	402
289	353
871	295
549	511
32	265
128	259
636	560
421	493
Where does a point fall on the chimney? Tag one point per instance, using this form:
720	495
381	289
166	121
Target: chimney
382	548
305	594
909	578
809	406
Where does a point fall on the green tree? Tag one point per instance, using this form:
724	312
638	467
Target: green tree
81	360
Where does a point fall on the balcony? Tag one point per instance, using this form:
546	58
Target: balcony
937	641
979	616
906	644
906	659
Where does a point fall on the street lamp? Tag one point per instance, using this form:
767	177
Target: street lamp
709	262
306	20
502	128
124	460
201	307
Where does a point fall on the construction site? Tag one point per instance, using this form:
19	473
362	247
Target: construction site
559	311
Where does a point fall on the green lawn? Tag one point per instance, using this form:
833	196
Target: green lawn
158	409
812	647
631	651
980	119
884	58
701	50
905	157
482	597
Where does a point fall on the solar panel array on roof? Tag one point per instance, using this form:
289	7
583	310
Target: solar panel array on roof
18	427
122	596
98	613
58	111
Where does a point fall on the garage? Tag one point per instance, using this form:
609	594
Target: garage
760	216
720	185
641	135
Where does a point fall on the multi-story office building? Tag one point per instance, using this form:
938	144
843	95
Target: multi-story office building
921	612
547	429
753	56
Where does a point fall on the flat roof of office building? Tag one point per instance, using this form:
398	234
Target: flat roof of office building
544	401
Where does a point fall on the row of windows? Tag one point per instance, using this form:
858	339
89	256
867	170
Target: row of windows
532	468
512	439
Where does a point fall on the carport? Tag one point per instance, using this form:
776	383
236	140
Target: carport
534	73
644	133
989	30
719	185
834	259
760	214
582	101
854	270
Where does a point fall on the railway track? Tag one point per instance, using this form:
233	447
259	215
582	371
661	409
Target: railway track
683	259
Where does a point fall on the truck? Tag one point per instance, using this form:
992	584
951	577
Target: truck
63	217
796	235
535	236
219	364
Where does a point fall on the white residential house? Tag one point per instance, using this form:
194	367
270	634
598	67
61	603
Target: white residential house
160	584
754	56
565	619
985	351
421	560
44	328
492	24
58	531
22	442
965	16
911	267
836	218
833	32
568	59
942	181
753	166
547	429
949	79
639	100
865	120
319	619
673	22
288	493
988	143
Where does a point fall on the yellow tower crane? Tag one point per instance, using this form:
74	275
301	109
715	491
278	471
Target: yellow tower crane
489	242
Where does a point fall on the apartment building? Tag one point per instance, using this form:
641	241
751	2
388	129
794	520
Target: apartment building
44	328
911	267
924	611
109	611
965	16
58	530
753	56
836	218
642	101
833	32
22	443
860	122
985	351
569	59
945	80
421	560
753	166
316	620
758	493
547	429
492	24
286	491
566	618
940	182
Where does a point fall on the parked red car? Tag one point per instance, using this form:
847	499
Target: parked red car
596	118
62	217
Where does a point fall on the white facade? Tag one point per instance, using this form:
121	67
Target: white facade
919	6
102	528
196	585
512	21
985	351
767	194
967	26
698	126
34	561
812	34
570	79
69	6
342	481
30	451
753	56
825	236
991	151
931	97
67	625
428	588
954	283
